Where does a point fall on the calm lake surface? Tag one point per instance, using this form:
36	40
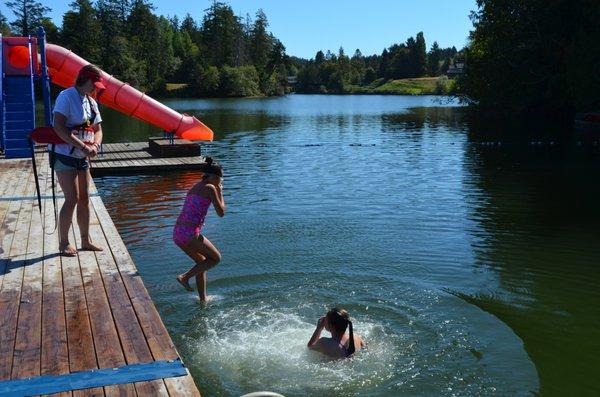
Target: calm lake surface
468	254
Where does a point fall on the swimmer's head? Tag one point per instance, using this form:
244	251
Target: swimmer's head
211	169
338	321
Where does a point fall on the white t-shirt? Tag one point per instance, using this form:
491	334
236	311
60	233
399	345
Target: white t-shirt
77	109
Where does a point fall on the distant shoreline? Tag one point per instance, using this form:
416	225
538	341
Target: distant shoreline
438	86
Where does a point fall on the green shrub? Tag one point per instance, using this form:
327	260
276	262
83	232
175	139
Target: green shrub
239	81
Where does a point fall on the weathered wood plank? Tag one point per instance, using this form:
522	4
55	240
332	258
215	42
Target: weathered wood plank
106	341
10	294
54	350
26	361
131	336
82	353
156	334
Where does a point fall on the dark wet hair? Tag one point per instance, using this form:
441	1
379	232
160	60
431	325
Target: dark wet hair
88	72
339	320
212	167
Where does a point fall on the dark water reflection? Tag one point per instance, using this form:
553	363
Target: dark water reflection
541	219
395	207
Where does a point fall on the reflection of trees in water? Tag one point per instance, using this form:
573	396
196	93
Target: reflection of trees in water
225	122
417	119
537	207
163	194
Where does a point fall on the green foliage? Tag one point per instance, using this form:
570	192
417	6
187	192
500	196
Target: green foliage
209	81
29	15
4	28
434	60
219	30
239	81
87	46
219	56
340	74
418	86
534	55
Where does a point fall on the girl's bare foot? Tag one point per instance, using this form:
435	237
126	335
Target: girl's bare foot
66	249
183	282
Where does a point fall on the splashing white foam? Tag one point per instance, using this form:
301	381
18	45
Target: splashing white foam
266	348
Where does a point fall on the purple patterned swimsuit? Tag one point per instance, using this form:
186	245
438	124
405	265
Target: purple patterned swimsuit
190	219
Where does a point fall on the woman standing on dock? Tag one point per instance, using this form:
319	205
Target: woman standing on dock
186	233
77	122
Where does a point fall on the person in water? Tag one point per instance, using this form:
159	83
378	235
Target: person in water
341	344
186	233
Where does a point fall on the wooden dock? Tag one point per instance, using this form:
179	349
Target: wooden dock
62	315
133	157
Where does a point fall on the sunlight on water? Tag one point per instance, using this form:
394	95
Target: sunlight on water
465	271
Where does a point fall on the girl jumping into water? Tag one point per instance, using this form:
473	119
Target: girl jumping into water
341	344
186	233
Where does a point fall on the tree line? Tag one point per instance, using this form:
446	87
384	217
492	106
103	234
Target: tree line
534	57
337	73
221	54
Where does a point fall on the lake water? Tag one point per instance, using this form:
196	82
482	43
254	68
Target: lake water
467	253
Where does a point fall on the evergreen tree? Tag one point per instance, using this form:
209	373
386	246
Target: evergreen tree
526	55
358	67
320	57
4	28
29	15
149	44
260	46
88	45
420	56
220	27
116	56
434	59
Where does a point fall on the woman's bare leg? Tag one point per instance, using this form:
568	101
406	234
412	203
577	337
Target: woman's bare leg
68	183
83	210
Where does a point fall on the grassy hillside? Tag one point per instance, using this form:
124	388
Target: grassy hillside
417	86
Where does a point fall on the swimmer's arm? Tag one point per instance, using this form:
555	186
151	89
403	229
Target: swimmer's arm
216	196
313	343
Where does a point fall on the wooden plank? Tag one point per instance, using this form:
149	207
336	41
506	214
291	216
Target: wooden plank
82	354
158	339
10	294
131	336
11	209
7	177
11	178
54	350
130	333
27	355
106	340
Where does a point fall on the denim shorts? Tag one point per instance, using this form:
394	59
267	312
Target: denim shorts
68	163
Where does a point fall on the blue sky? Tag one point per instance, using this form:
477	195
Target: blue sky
307	26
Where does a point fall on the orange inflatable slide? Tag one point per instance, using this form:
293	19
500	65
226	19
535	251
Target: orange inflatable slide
63	67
